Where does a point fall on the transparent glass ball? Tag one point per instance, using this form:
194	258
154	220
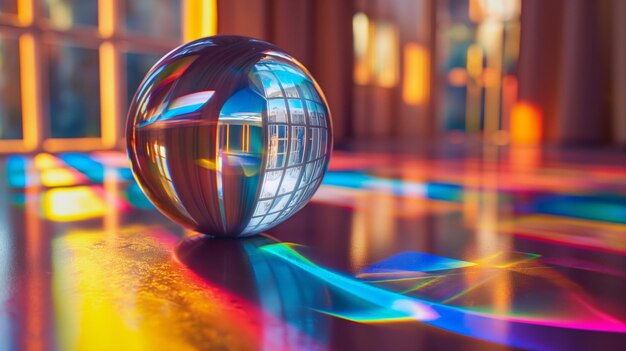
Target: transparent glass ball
229	136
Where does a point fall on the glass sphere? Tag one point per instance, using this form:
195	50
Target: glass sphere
229	136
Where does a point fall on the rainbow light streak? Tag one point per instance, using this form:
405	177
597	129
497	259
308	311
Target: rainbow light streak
394	306
187	104
412	262
179	107
482	280
570	232
580	264
605	209
513	330
161	83
172	72
507	260
522	173
302	327
361	180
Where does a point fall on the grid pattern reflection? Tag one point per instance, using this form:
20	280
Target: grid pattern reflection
246	131
297	137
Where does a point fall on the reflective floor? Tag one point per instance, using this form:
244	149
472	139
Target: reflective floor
447	248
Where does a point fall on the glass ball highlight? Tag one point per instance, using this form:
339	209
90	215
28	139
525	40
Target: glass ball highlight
229	136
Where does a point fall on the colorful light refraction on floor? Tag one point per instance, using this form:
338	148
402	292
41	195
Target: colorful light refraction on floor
550	278
433	299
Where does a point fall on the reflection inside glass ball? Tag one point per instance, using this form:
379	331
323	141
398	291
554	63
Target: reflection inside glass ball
229	136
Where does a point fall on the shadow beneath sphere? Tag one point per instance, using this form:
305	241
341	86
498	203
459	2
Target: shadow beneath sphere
228	263
268	282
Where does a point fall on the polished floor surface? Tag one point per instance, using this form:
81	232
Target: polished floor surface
447	248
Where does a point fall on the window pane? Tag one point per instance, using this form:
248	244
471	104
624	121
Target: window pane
8	6
277	146
290	180
297	112
137	65
278	111
271	183
65	14
74	89
159	18
298	143
10	101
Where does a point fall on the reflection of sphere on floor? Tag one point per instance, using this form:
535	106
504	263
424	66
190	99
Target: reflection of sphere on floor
229	136
289	300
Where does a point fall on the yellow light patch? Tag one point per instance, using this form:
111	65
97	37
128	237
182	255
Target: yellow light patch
200	19
72	204
54	177
46	161
124	292
385	60
416	74
206	163
362	51
526	124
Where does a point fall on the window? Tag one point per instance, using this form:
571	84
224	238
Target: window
10	101
137	65
69	68
73	94
153	18
8	7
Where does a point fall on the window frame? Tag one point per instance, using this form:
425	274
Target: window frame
112	41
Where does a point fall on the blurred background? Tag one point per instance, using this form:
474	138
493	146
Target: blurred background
505	104
521	72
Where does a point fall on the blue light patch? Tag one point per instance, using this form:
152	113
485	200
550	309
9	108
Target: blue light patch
415	262
444	192
360	180
136	198
16	171
595	208
85	164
